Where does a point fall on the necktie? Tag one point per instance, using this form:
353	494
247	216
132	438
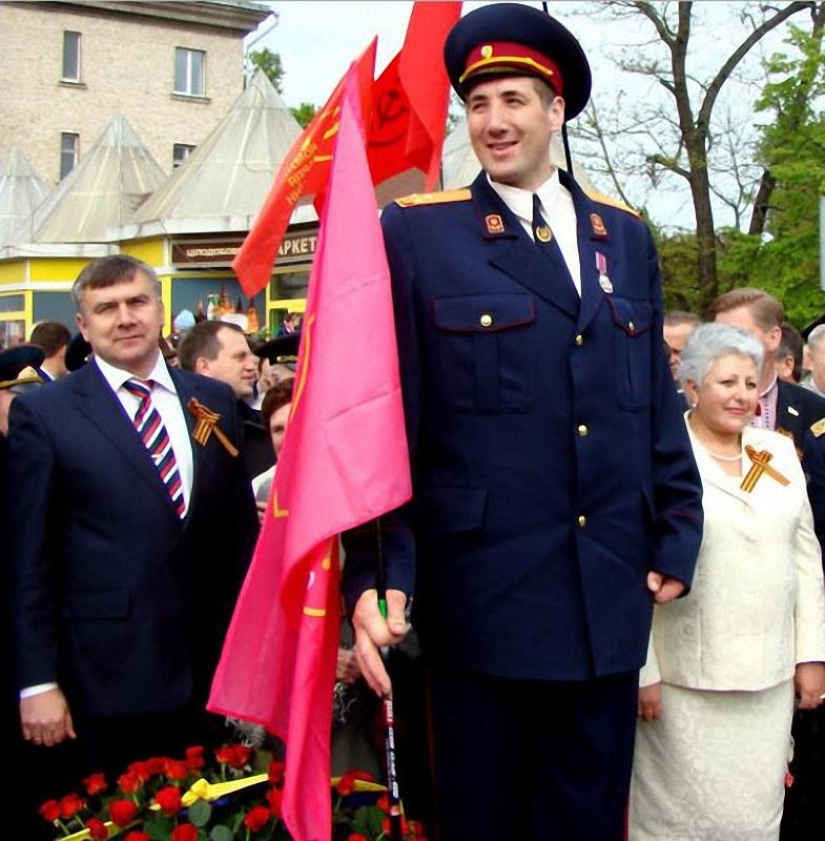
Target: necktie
541	230
155	438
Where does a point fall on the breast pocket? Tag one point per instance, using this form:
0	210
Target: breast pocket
633	341
486	352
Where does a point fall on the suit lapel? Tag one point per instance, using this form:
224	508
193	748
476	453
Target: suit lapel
593	239
512	251
101	407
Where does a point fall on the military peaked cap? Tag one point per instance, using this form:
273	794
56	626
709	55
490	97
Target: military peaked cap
513	39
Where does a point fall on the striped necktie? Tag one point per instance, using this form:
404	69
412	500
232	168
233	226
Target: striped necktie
155	438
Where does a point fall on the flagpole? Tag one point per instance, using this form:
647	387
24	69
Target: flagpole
396	833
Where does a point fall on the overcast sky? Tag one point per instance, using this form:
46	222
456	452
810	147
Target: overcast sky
317	40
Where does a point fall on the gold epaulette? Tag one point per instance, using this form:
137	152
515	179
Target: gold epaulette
443	197
600	198
818	428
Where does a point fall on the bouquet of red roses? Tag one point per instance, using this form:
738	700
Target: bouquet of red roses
236	794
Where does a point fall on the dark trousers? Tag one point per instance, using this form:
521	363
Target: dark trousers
532	760
804	815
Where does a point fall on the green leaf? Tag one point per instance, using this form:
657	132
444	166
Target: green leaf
221	833
200	812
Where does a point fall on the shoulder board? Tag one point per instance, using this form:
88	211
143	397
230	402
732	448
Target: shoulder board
443	197
818	428
610	202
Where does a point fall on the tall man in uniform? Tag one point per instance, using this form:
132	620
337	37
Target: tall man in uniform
134	523
555	494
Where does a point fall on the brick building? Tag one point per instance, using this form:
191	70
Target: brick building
171	68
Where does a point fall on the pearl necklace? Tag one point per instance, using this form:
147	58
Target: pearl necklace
719	457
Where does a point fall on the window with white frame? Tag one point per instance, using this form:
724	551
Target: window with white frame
189	71
69	152
180	152
71	56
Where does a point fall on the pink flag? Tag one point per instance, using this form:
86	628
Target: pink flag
343	463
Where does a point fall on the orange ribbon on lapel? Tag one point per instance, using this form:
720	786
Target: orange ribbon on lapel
207	423
759	467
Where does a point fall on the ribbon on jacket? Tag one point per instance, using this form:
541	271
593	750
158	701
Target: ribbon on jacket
759	467
207	423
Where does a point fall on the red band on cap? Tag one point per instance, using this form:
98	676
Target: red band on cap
505	55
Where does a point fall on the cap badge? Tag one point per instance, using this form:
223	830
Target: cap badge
487	51
494	224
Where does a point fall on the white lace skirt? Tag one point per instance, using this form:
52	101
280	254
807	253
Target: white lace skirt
713	767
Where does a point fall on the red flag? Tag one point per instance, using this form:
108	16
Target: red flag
343	463
411	97
304	172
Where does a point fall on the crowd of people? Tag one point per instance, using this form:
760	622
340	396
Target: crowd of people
614	543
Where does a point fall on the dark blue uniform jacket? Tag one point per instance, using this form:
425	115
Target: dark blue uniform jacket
551	466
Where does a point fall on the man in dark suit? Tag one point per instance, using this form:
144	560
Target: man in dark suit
555	493
134	523
220	350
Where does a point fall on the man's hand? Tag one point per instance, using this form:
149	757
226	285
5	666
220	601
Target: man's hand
46	719
373	632
664	588
809	681
650	702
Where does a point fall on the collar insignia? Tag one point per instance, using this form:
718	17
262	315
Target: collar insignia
599	229
495	225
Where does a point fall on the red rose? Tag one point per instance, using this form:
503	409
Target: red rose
383	802
418	830
95	783
141	770
275	797
130	782
356	836
194	758
70	805
236	756
184	832
50	811
156	764
276	772
169	800
385	826
346	785
256	818
97	829
176	769
123	812
137	836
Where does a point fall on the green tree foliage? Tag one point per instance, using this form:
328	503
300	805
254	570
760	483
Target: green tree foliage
304	113
270	63
784	260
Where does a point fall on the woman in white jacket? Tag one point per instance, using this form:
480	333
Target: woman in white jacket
717	692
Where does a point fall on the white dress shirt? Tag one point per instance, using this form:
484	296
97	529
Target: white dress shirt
165	399
558	211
